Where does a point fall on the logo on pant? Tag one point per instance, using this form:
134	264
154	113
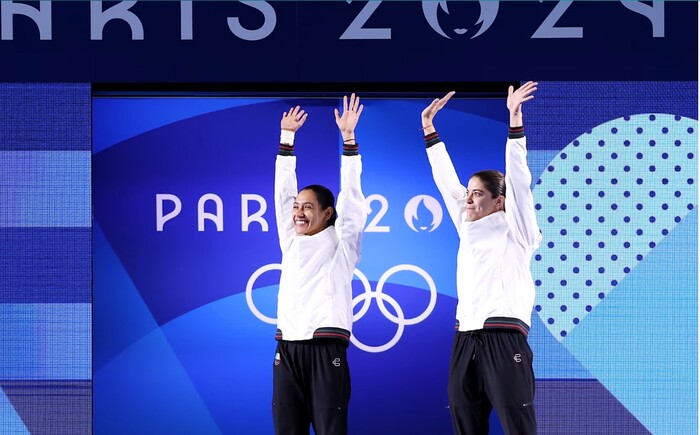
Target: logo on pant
336	362
277	359
517	357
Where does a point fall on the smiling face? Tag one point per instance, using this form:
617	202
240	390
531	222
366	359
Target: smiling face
480	202
308	216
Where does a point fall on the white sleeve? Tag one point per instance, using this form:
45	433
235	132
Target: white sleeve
285	195
352	208
447	181
520	205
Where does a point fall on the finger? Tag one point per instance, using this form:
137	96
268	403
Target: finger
529	91
303	119
510	90
299	115
356	102
529	87
337	114
446	98
345	103
284	115
359	111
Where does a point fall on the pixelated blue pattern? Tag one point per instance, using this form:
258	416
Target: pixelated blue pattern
45	267
45	117
603	203
45	341
45	189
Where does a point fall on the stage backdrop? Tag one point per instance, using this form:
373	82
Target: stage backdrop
186	260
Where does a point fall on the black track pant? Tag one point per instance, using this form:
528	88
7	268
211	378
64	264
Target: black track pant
491	368
311	386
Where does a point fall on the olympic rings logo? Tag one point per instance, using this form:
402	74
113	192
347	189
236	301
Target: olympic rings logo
399	318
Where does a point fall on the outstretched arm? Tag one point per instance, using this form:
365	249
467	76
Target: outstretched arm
352	206
285	174
520	208
444	173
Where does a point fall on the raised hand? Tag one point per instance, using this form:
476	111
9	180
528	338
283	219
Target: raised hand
429	112
293	120
351	115
517	98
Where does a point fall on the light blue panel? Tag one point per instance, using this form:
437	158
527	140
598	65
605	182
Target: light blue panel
604	203
10	423
641	342
45	189
118	119
121	315
145	390
538	160
45	341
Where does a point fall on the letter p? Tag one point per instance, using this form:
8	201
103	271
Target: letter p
160	218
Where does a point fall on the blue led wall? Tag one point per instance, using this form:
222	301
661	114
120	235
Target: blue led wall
45	259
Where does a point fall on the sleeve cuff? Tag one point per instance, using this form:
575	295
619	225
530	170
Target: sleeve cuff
431	139
351	150
285	150
516	132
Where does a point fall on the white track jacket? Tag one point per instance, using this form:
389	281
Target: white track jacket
315	294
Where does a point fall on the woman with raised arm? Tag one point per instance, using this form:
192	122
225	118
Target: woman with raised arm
491	362
320	248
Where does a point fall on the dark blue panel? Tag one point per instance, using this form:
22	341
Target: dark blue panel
577	107
392	41
581	406
44	116
45	265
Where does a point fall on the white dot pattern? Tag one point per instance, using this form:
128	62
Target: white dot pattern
603	203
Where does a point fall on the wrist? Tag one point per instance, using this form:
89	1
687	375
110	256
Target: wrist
348	135
516	119
287	137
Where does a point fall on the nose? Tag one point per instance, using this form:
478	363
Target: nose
470	198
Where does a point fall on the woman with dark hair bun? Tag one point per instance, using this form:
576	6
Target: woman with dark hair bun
491	362
320	248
